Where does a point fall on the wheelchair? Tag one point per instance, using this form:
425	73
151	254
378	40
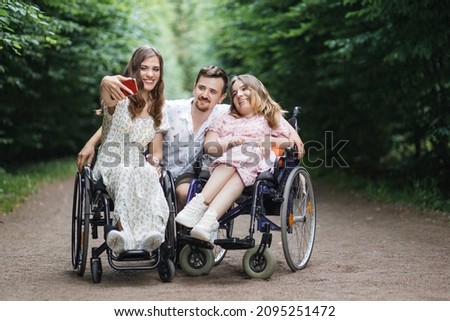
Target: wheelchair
287	193
91	210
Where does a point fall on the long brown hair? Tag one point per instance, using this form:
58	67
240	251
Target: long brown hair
260	100
138	101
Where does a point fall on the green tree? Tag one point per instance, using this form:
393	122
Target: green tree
53	56
374	72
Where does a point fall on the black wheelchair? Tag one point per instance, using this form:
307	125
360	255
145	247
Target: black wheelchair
91	210
287	193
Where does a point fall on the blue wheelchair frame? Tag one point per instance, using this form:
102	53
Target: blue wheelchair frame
266	197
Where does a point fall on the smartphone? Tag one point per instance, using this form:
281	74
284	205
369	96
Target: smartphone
131	84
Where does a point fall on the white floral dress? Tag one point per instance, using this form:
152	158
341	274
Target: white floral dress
130	180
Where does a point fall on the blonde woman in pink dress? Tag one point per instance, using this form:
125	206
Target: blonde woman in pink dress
237	139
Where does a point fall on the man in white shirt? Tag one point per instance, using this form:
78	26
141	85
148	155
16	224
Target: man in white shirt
183	143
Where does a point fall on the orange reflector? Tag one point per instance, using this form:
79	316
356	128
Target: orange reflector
291	219
310	209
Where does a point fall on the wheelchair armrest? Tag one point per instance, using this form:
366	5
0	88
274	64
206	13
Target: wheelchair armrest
204	174
265	176
197	166
87	171
99	186
90	184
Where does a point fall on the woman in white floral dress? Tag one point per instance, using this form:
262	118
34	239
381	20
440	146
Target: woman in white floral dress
130	127
237	139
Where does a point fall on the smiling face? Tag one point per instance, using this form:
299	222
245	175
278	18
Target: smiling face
147	66
150	73
208	92
242	98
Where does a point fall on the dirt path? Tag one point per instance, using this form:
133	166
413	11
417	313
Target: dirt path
363	251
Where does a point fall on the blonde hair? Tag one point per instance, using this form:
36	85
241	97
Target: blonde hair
260	100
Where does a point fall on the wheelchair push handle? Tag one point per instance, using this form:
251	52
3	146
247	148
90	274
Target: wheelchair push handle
296	112
293	120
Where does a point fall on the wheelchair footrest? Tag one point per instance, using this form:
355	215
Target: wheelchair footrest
187	239
235	243
133	255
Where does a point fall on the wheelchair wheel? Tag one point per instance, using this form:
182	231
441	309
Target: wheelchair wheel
196	261
170	235
96	270
166	271
259	265
298	219
80	226
76	212
225	232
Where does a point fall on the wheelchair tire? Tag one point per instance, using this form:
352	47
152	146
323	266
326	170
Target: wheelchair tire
259	265
166	271
298	219
85	243
168	186
196	261
76	221
96	270
80	226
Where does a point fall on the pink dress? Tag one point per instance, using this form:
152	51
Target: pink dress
248	159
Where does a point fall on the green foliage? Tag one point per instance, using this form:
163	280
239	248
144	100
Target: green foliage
421	193
25	28
17	185
59	51
375	73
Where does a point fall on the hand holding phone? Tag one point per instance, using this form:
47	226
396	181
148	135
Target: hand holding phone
131	84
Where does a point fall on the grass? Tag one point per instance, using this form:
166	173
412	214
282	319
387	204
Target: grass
17	185
423	194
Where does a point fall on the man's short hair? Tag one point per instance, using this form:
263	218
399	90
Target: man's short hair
214	72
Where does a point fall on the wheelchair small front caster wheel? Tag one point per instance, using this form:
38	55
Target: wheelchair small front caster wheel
166	271
196	261
259	265
96	270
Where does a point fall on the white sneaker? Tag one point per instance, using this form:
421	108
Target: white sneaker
192	212
116	241
153	241
206	228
